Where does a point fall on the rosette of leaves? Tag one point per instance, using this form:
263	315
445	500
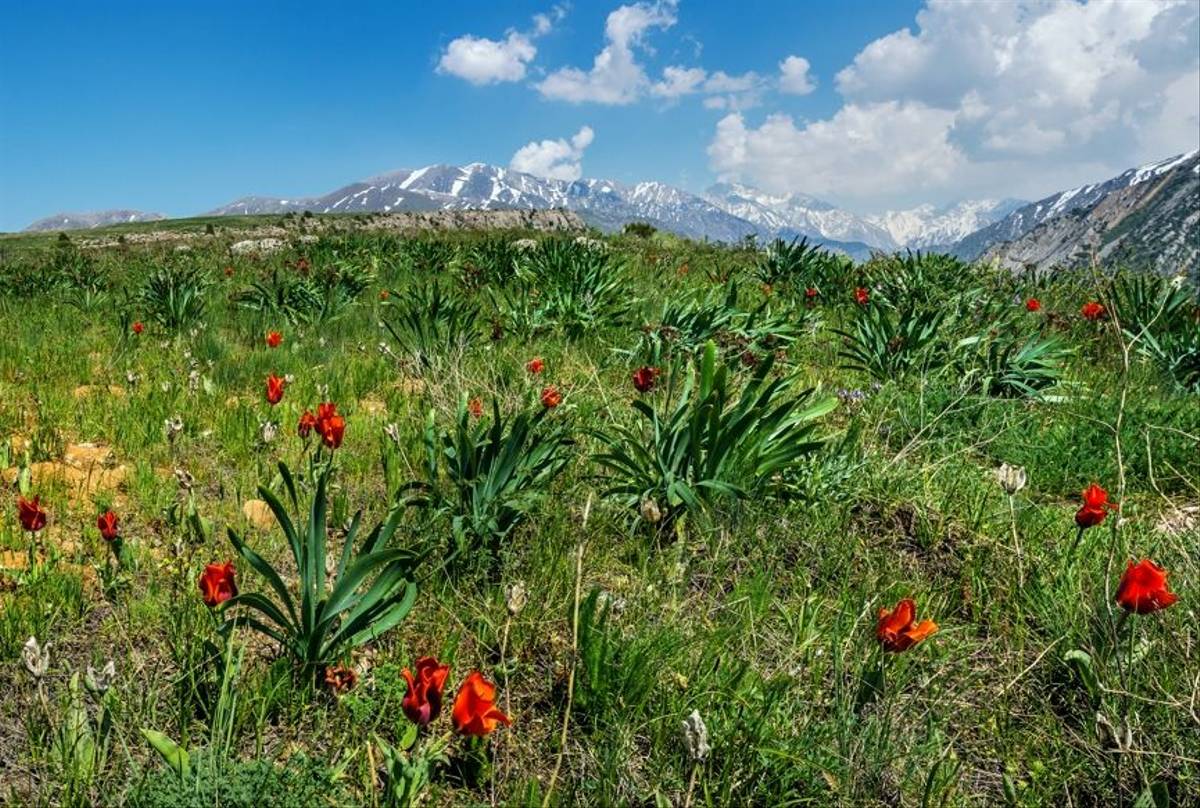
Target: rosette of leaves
371	589
702	440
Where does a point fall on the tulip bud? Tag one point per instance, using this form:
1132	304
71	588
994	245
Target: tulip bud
650	511
515	597
172	427
393	432
1011	478
267	430
36	657
100	681
695	737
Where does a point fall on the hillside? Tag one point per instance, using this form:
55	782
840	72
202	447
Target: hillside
1148	215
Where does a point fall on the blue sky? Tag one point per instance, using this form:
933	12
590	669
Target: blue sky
179	107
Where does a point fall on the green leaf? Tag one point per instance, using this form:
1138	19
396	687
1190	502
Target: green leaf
175	755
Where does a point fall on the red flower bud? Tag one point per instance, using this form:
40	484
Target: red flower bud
218	584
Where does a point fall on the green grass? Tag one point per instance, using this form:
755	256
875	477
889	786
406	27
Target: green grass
759	612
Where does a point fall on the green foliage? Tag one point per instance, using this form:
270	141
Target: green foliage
1008	365
370	591
315	297
798	265
710	442
886	343
174	296
485	474
429	323
686	324
575	288
639	229
301	782
616	677
921	280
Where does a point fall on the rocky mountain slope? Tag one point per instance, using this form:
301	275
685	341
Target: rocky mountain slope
86	221
1147	216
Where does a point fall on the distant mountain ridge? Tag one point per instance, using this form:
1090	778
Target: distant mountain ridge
86	221
1150	213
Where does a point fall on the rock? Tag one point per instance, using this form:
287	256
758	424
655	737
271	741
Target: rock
88	455
264	246
258	513
372	406
87	390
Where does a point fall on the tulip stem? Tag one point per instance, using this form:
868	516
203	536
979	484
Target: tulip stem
1075	544
1012	518
687	801
562	740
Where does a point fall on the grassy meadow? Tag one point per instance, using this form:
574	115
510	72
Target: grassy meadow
655	493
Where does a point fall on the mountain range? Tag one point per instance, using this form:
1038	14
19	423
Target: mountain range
1146	214
86	221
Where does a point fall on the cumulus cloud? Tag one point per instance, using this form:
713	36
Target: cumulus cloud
554	159
489	61
862	151
794	78
679	81
616	76
1007	96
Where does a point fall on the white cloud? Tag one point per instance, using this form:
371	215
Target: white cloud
488	61
794	78
616	76
862	152
678	81
554	159
1001	97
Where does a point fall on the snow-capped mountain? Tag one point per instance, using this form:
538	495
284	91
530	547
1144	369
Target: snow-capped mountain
1028	217
1146	217
926	226
802	215
605	204
791	215
88	220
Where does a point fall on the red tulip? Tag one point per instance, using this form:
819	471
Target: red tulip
330	426
274	339
810	292
861	296
551	398
274	389
228	272
384	294
108	525
306	424
340	678
475	407
30	514
535	365
138	327
1033	304
1092	310
1143	588
644	378
423	701
898	630
475	712
303	265
217	584
1095	507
